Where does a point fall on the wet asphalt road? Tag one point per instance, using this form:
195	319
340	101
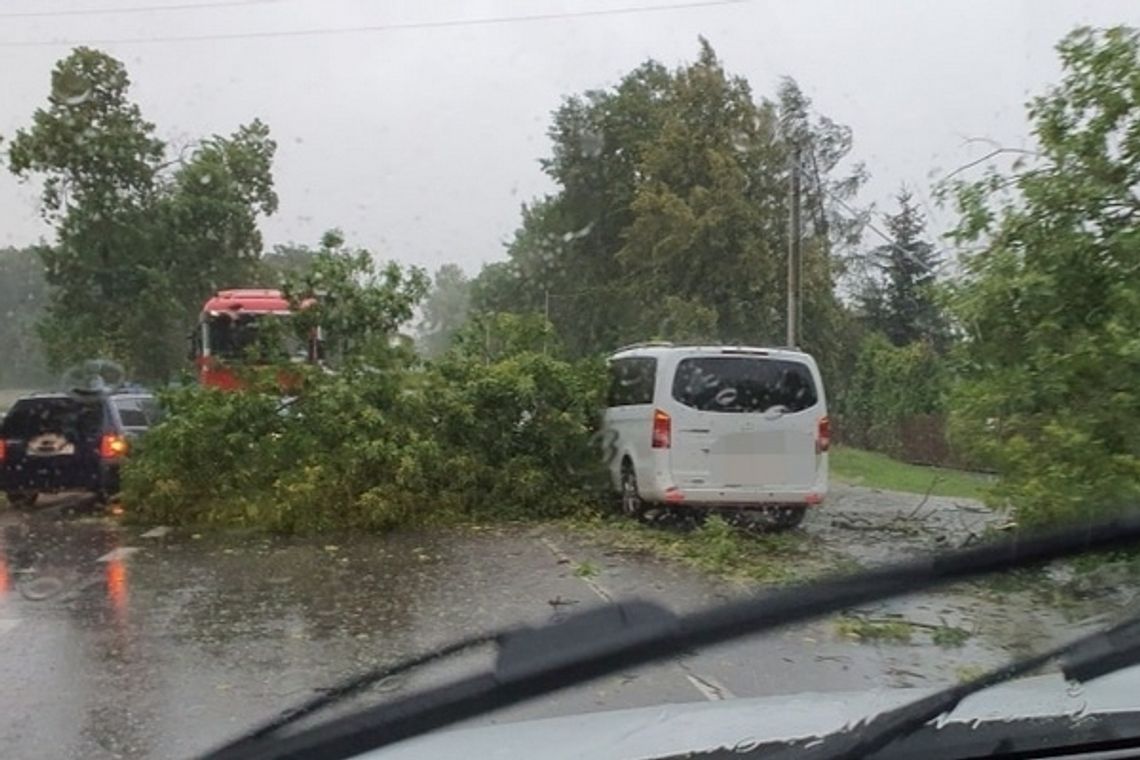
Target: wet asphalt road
120	643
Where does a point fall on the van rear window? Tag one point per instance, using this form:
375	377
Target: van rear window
743	384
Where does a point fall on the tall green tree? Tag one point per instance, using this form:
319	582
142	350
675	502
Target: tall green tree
670	220
210	208
1050	301
23	296
898	297
444	310
141	237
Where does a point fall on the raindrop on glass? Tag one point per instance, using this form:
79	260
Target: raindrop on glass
726	397
77	99
746	745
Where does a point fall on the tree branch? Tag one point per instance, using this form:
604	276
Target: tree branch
992	154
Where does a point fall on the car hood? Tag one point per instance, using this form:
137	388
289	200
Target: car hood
671	729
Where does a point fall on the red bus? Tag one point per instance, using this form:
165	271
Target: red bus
230	335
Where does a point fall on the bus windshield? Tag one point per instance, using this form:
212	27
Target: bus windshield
255	337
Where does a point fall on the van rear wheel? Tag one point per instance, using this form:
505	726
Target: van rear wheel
786	518
631	503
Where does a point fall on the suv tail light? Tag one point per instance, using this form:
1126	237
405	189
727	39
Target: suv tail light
3	450
662	430
823	435
113	446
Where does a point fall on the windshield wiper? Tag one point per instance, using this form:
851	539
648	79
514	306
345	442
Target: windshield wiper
1084	659
536	661
357	684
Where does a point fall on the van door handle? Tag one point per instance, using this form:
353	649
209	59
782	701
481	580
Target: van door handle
695	430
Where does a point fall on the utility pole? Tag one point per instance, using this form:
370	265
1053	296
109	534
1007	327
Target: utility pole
795	256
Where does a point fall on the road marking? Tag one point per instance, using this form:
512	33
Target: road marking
563	557
708	687
116	554
158	532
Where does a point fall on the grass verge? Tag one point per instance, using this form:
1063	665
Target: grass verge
716	548
874	470
898	631
862	629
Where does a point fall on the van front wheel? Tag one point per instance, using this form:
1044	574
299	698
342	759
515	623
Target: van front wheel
631	503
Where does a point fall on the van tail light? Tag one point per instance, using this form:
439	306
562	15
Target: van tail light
113	446
662	430
823	435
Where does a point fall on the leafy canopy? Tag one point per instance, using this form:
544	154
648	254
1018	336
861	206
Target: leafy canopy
1050	300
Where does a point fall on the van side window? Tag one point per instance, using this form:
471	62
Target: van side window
743	384
632	381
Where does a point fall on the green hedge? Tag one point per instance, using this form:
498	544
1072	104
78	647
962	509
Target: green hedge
891	386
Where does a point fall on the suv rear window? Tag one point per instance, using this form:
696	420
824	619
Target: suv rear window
67	417
632	381
743	384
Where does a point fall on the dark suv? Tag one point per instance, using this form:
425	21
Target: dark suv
61	442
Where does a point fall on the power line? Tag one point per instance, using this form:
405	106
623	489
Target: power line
399	26
132	9
865	220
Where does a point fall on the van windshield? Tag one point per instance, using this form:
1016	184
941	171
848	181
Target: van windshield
743	384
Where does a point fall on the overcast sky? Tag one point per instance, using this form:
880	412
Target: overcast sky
421	142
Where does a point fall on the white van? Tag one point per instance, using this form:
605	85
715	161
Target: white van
717	426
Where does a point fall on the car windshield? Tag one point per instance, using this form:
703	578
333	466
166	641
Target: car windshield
334	333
